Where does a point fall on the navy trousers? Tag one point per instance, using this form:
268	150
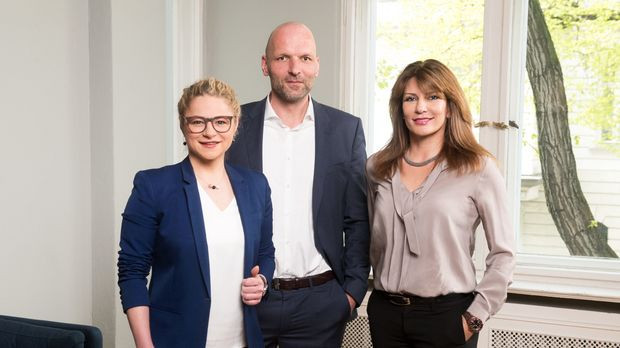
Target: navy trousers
431	324
310	317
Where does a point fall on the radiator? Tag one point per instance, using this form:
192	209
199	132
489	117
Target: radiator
357	333
512	339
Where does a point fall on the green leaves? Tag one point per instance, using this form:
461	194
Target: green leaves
587	40
447	30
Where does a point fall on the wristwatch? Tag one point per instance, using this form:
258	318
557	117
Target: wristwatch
474	323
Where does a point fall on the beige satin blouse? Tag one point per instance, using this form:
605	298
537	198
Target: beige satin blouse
422	242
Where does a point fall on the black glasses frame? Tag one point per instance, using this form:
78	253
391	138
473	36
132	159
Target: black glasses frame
206	121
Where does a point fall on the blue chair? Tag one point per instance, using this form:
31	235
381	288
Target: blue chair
18	332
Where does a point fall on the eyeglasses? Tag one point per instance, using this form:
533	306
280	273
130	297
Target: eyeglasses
198	124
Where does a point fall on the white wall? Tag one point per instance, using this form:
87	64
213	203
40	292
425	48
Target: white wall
104	221
84	99
141	127
237	32
45	239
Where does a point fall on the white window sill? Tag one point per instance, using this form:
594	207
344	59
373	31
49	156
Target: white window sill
568	277
574	292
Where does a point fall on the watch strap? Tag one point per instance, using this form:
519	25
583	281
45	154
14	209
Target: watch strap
474	323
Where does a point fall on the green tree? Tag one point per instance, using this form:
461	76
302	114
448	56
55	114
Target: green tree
566	202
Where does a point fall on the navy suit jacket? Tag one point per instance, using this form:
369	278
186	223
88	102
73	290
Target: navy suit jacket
163	231
338	190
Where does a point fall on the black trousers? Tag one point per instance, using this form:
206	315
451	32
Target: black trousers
424	324
310	317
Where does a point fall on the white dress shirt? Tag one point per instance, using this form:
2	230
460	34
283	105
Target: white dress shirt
225	242
288	164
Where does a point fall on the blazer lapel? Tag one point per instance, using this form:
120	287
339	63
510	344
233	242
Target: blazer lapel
198	227
242	195
253	134
321	146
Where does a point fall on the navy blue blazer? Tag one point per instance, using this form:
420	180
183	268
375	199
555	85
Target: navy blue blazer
163	231
338	190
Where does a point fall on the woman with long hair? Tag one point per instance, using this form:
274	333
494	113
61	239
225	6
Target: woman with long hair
429	189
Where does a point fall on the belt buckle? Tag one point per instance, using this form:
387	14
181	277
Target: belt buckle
400	300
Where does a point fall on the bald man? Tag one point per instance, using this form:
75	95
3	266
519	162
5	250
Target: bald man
313	156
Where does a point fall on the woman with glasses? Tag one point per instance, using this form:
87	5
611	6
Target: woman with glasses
202	228
430	188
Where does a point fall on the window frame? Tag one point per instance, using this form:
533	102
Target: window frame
357	60
502	90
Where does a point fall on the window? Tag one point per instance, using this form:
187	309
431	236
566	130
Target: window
410	30
485	43
590	82
569	148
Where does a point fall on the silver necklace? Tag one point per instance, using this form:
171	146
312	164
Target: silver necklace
419	164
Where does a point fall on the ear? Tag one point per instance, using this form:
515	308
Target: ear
263	65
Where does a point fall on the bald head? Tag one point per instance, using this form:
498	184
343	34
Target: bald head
291	63
290	31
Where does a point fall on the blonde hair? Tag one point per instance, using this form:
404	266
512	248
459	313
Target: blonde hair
460	148
210	86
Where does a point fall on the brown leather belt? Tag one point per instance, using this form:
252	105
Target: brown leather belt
407	300
304	282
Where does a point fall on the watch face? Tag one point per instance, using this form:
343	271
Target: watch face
475	324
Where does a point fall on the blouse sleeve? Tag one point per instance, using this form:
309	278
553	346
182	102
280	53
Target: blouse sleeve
490	200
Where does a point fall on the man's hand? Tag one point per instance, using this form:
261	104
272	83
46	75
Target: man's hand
252	288
352	303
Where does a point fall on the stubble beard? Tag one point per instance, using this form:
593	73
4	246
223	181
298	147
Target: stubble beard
287	95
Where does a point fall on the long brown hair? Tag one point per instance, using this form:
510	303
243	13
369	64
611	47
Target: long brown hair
460	148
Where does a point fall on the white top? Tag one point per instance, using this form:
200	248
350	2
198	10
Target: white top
225	242
288	164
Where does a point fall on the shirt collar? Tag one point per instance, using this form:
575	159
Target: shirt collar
271	116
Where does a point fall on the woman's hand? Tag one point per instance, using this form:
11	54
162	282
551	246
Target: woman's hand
466	330
140	327
252	288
